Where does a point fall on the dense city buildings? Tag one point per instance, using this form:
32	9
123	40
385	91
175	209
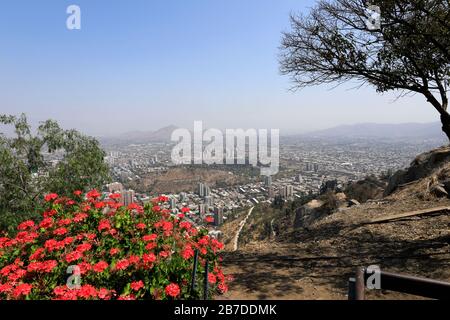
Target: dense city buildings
306	166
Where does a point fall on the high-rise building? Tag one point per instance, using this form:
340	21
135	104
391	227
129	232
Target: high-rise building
172	202
202	209
267	181
208	201
218	216
316	167
127	197
203	190
287	192
299	178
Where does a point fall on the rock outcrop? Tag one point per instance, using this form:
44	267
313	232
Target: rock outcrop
423	166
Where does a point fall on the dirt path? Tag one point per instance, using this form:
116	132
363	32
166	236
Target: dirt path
241	226
316	264
277	275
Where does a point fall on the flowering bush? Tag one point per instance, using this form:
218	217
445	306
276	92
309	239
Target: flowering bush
117	252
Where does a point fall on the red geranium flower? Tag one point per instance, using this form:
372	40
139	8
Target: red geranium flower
46	266
64	222
84	267
150	246
104	225
185	225
73	256
203	241
50	213
68	240
52	245
141	226
104	294
38	254
25	225
167	226
212	278
164	254
114	251
136	285
149	257
223	288
46	223
83	247
99	205
209	219
114	196
187	253
135	206
60	231
134	259
90	236
122	264
150	237
79	217
87	291
93	194
185	210
173	290
22	289
5	287
163	199
100	266
51	196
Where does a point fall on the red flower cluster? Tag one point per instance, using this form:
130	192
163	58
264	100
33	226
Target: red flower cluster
50	197
119	252
100	266
137	285
173	290
45	266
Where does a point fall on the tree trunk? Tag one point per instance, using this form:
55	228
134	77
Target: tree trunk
445	120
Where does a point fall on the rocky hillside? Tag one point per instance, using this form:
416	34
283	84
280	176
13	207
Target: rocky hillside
313	258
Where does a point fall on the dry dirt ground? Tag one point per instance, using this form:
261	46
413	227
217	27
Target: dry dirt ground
315	263
187	179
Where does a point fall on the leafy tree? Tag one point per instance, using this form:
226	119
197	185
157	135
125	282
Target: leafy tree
409	52
278	202
26	172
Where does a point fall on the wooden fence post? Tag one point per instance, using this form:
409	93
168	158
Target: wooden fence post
194	273
205	288
360	284
351	289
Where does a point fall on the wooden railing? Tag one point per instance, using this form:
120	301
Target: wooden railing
423	287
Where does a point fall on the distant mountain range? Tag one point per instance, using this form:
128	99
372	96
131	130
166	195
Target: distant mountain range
140	137
402	131
382	131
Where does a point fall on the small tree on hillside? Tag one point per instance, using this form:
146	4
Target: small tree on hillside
408	51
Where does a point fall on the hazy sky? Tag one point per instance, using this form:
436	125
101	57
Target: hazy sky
142	65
